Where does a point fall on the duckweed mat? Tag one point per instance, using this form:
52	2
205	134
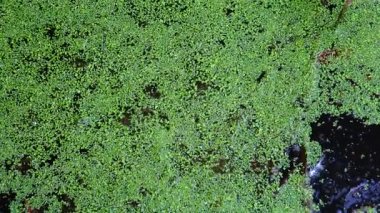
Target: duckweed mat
176	105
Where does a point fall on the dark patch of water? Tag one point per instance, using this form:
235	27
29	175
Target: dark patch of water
147	111
79	62
152	91
261	76
144	191
220	167
43	73
5	201
83	151
328	5
30	209
68	204
75	102
50	31
297	159
52	158
126	120
300	102
163	120
201	87
134	204
24	165
347	176
221	42
229	11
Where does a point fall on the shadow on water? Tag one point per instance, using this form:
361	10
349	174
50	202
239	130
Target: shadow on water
347	176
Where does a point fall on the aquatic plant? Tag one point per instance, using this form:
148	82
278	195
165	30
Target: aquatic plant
168	105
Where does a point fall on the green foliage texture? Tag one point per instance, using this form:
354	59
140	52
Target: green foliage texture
161	106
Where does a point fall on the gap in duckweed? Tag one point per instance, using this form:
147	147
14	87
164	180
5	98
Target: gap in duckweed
347	176
68	203
28	207
297	157
5	201
152	91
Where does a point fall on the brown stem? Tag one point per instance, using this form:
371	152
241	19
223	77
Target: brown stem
347	4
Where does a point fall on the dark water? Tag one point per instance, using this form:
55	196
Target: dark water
347	177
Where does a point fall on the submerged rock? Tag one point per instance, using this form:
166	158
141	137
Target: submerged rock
365	194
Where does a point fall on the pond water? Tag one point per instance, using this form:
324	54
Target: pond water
347	176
